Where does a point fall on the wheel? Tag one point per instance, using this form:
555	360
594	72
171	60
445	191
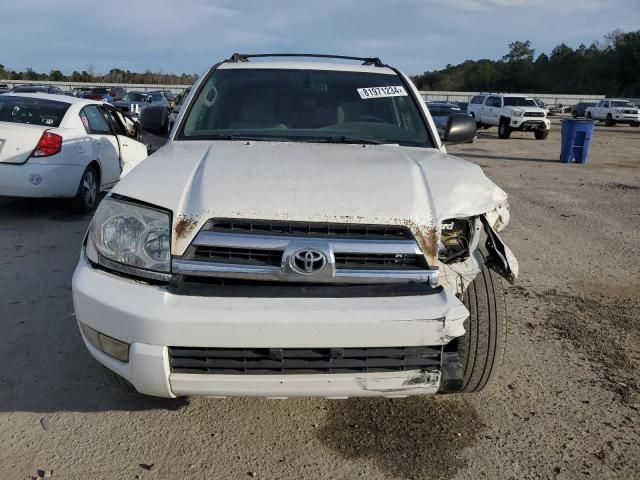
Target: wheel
121	383
541	134
589	116
574	114
86	198
504	131
481	349
609	121
635	124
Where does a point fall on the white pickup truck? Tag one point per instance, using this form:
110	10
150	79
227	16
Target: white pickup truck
302	232
613	110
509	112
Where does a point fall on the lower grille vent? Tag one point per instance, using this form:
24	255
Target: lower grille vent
261	361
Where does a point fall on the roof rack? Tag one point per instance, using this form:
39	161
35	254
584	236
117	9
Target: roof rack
244	57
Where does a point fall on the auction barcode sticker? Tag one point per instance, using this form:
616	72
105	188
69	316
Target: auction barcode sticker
381	92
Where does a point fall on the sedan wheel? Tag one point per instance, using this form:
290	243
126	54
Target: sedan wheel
87	196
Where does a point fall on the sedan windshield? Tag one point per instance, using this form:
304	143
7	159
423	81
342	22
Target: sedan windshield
35	111
135	97
305	105
442	110
519	102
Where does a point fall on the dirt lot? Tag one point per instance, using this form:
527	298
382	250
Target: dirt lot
566	404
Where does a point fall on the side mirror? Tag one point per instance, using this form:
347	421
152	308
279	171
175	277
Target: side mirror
155	119
461	128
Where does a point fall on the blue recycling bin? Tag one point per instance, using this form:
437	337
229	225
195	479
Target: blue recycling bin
576	140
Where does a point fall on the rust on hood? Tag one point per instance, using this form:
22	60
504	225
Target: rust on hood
427	238
184	226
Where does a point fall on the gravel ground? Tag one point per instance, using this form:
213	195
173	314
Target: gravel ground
566	404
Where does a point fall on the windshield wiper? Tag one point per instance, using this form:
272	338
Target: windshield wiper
348	139
249	138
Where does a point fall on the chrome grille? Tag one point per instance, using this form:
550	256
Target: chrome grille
260	250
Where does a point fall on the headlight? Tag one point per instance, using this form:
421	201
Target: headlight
455	238
516	113
131	238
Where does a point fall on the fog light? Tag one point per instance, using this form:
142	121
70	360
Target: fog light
106	344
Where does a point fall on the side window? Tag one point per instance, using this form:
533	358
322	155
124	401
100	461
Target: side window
477	99
97	123
115	121
493	102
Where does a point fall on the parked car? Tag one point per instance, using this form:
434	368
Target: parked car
539	103
158	97
302	232
463	106
38	89
440	112
579	109
175	111
108	94
62	147
132	103
510	112
80	91
4	88
613	110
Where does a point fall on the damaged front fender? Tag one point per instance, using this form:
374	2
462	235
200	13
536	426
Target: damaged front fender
501	259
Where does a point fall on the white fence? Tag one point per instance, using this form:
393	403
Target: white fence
71	85
547	98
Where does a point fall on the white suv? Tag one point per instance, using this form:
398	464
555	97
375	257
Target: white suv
303	232
509	112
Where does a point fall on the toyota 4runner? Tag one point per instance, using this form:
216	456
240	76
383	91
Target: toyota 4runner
509	112
302	232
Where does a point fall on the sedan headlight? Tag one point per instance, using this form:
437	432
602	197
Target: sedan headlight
516	113
131	238
455	238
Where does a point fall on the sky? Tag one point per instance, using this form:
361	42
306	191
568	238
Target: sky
190	35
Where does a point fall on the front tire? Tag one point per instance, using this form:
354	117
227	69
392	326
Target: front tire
541	134
481	349
86	198
635	124
504	130
589	116
609	121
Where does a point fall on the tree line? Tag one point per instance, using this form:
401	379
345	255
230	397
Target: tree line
89	75
610	67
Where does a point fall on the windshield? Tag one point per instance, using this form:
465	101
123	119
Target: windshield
623	103
305	105
99	91
134	97
155	97
519	102
35	111
442	110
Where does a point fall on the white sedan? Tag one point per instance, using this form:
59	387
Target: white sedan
55	146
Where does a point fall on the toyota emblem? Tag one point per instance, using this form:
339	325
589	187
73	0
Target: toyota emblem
308	261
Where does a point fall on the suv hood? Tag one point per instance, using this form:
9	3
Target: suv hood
378	184
527	109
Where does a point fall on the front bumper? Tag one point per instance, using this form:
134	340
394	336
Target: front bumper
530	123
151	319
626	118
39	180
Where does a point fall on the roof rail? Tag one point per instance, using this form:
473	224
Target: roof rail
244	57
